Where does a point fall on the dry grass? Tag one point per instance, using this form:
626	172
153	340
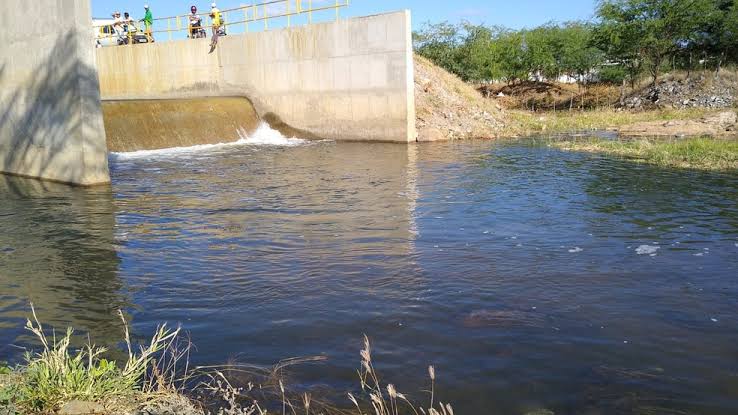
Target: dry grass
445	103
526	123
386	399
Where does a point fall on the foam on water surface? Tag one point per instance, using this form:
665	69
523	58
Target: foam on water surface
263	136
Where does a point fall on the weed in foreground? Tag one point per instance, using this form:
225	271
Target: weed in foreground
391	402
158	376
57	375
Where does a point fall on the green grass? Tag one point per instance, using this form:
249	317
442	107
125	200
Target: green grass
691	153
57	374
528	123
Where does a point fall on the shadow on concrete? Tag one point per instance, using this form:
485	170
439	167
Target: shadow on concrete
47	123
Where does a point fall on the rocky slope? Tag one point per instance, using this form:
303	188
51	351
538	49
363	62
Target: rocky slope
449	109
703	90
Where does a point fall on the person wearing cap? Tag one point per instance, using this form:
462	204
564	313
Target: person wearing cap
195	23
148	22
217	22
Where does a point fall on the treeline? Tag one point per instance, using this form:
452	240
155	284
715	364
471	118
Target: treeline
627	40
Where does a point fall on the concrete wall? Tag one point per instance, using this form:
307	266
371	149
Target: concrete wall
51	123
345	80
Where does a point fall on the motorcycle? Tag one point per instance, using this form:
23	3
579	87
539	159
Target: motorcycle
196	29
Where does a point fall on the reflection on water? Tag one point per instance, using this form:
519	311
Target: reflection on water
529	277
57	250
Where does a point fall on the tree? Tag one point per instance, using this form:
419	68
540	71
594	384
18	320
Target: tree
440	43
510	53
476	54
578	53
658	28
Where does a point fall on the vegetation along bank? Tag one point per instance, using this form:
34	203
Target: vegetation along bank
674	60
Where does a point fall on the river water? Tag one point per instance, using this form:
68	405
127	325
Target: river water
531	278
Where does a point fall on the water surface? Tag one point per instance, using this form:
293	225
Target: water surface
531	278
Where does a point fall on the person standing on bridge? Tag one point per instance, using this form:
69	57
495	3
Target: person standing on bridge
217	22
148	22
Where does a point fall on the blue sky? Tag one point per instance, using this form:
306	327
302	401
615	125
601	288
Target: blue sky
514	14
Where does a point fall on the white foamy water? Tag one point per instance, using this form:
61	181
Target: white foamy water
263	136
647	250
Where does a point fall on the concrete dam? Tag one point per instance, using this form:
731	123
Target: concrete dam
346	80
67	104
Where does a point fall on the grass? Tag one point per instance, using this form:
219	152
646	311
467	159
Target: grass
57	374
157	378
691	153
528	123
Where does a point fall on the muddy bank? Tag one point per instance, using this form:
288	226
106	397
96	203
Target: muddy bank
717	125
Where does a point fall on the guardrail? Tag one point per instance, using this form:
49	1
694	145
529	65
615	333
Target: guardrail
248	17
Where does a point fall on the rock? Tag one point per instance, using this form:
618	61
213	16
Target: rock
170	405
502	318
431	134
724	120
81	408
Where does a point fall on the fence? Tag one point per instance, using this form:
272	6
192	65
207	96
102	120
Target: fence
245	18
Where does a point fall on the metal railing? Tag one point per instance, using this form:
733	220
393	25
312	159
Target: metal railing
248	17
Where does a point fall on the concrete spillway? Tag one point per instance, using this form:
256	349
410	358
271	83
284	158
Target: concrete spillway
133	125
351	79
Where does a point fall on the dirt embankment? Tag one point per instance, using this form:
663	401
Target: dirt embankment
675	91
717	125
447	108
552	96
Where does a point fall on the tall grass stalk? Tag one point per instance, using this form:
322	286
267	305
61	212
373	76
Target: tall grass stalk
57	374
390	403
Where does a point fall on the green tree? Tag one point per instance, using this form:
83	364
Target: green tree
579	54
661	27
440	43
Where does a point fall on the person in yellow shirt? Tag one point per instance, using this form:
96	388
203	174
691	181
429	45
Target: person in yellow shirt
217	22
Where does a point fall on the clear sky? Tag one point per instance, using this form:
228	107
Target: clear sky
510	13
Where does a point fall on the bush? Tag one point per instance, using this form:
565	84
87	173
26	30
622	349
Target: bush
613	74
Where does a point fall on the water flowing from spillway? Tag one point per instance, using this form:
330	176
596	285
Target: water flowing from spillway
145	125
264	135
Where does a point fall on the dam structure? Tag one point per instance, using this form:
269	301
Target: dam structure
349	79
51	123
65	103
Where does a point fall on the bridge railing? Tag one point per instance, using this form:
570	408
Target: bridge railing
247	18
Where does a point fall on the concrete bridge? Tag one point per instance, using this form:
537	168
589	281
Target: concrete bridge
350	79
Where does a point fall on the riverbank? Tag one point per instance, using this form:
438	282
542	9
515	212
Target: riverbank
450	109
691	153
525	123
157	379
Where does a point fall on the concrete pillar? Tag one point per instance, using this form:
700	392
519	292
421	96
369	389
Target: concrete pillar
51	124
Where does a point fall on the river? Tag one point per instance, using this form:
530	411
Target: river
529	277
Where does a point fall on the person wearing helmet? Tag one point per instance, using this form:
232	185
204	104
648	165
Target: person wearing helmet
196	29
148	21
217	21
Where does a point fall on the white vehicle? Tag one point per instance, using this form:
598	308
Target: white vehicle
106	35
